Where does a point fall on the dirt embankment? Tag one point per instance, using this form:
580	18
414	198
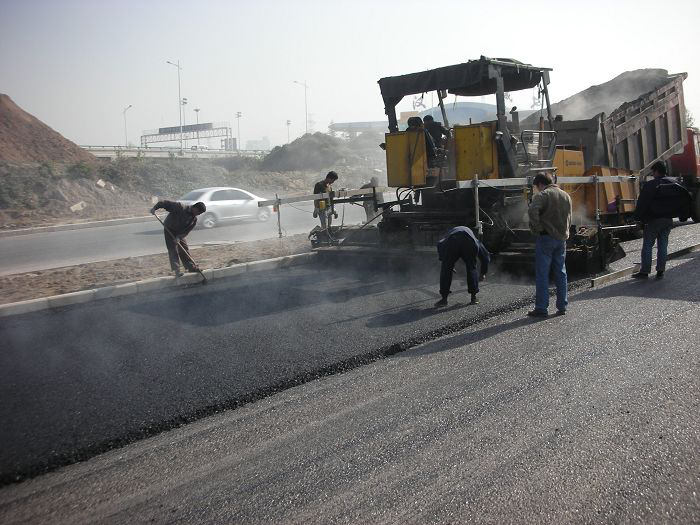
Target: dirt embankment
47	179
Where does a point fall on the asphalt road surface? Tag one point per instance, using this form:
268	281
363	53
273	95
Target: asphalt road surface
587	417
591	417
41	251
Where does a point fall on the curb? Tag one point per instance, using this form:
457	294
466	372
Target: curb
150	285
631	269
74	226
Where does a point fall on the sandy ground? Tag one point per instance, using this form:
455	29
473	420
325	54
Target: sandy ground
32	285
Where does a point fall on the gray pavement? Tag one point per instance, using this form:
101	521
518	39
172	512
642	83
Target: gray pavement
45	250
591	417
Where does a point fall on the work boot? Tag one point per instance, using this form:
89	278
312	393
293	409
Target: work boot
178	273
194	269
537	313
474	299
640	275
441	302
660	274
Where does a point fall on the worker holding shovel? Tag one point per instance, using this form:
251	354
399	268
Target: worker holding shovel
179	222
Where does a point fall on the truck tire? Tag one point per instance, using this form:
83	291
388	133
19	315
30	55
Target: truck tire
695	208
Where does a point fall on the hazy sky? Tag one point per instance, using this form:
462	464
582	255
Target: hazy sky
77	64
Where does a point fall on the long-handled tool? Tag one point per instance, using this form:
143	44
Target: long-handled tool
186	252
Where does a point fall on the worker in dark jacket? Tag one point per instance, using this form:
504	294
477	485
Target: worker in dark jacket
660	200
439	133
179	222
461	243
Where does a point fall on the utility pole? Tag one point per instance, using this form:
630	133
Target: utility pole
306	104
179	99
126	139
184	117
238	121
289	123
196	110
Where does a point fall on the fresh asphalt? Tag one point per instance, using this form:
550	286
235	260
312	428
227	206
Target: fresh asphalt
81	380
589	418
45	250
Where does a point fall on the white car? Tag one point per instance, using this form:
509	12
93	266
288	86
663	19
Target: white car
226	204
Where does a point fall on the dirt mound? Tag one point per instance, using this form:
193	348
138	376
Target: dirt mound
24	139
606	97
321	151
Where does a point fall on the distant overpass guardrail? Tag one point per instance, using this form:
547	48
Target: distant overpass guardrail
161	152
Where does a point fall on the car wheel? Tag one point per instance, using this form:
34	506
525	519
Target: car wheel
264	214
209	220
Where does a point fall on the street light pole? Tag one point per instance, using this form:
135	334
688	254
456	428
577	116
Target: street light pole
289	122
196	110
184	117
238	119
126	139
306	104
179	98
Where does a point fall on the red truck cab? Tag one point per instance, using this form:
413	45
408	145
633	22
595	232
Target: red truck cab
687	166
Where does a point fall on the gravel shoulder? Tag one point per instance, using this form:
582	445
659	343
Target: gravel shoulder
33	285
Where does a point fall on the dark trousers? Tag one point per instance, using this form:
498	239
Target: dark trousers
459	247
178	252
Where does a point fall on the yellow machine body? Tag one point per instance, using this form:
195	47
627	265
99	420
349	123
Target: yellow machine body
569	163
406	159
475	151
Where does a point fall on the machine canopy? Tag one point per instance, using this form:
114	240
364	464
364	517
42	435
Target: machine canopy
469	79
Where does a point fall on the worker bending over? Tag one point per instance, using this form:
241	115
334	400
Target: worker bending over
179	222
461	243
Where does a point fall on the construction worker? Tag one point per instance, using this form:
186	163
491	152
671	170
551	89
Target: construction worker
437	131
179	222
660	200
369	204
416	124
550	218
322	207
461	243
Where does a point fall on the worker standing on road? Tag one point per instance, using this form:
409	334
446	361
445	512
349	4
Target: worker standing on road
179	222
550	219
461	243
322	207
660	200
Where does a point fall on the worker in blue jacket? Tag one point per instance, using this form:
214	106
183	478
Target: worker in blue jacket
461	243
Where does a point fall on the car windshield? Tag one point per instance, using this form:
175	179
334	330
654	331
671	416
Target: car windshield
192	196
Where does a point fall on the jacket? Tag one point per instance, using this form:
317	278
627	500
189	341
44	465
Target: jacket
180	220
482	252
550	213
662	197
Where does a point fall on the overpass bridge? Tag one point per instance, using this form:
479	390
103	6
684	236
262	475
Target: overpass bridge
112	152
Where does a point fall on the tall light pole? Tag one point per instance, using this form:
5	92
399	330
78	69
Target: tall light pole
126	139
179	97
289	123
238	119
196	111
306	104
184	117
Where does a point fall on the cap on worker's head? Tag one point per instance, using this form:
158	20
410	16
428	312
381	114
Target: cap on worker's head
659	167
200	206
332	175
428	118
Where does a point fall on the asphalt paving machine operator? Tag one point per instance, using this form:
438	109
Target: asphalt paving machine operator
179	222
461	243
